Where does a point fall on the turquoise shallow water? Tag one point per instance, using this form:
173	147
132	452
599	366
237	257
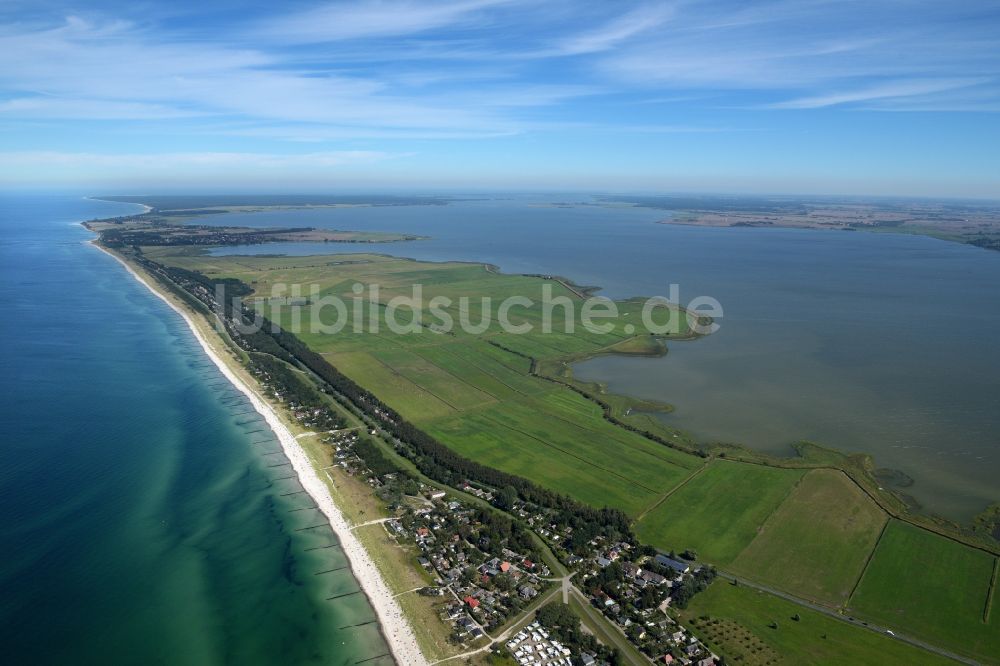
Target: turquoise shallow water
879	343
143	517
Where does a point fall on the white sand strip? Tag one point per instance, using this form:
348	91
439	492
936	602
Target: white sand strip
394	624
146	209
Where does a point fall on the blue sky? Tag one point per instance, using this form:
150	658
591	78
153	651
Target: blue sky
876	97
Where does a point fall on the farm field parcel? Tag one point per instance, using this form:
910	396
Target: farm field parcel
805	526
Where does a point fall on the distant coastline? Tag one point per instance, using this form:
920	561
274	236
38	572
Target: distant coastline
973	223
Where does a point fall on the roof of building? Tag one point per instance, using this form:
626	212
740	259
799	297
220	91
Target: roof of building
672	563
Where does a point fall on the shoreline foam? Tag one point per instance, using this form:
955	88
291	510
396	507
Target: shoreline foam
393	624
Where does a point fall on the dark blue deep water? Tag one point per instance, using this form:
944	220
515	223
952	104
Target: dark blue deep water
140	521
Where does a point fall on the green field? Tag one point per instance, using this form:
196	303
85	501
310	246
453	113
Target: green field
560	440
818	541
807	532
745	616
390	386
718	512
478	398
930	587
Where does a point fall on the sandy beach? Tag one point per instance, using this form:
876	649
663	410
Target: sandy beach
145	208
395	627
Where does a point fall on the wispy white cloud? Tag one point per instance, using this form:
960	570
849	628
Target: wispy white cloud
893	90
207	160
42	107
335	21
806	53
119	71
811	51
377	73
185	168
193	170
640	20
319	133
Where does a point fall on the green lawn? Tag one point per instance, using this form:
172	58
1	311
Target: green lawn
719	511
817	543
745	615
931	588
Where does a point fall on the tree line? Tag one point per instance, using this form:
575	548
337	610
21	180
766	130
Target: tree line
438	461
431	457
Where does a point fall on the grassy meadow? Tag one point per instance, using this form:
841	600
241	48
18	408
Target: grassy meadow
718	512
740	626
559	439
810	532
475	392
818	541
933	588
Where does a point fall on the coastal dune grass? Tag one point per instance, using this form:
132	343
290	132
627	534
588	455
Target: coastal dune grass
933	588
818	541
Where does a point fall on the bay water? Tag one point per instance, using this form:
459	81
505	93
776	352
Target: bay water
864	342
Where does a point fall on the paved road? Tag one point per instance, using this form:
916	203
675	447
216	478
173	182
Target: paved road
568	588
850	620
625	647
502	637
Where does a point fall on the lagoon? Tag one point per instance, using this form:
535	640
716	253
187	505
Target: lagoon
875	343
